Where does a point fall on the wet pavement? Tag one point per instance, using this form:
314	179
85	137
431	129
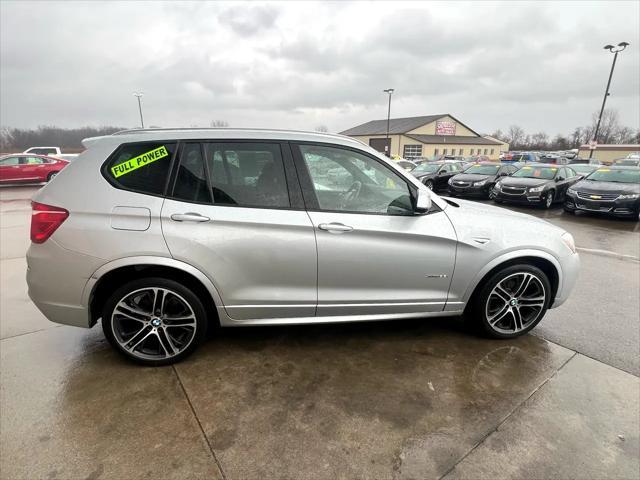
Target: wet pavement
411	399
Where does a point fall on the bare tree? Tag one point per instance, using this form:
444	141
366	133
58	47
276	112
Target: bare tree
539	141
515	136
322	129
219	124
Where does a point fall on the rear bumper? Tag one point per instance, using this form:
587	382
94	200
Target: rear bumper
56	278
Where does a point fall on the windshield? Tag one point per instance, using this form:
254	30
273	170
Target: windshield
584	169
618	176
427	168
545	173
483	169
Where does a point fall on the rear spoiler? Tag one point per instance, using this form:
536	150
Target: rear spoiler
87	142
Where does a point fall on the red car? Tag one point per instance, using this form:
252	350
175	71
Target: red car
28	168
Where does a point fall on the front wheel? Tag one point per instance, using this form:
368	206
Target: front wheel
512	301
548	200
154	321
429	184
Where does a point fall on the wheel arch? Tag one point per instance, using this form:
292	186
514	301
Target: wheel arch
544	261
103	281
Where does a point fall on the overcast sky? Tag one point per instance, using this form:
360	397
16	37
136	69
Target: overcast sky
300	65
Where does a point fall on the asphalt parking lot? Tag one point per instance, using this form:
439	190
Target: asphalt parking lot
410	399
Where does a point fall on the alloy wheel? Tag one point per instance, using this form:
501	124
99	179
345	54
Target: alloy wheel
429	184
515	303
548	200
153	323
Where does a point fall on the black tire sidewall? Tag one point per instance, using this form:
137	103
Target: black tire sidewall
544	202
186	293
479	302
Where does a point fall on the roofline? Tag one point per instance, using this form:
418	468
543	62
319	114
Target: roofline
437	117
444	139
213	129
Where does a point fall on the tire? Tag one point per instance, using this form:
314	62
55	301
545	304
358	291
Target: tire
572	212
490	194
151	337
429	184
548	200
494	310
51	176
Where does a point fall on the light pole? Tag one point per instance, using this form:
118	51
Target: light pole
615	50
139	95
388	146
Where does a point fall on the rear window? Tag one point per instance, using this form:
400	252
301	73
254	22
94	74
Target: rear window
141	167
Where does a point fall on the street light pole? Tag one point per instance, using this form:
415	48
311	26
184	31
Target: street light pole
615	50
390	92
139	95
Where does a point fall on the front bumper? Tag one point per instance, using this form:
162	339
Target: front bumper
470	191
617	208
524	197
570	267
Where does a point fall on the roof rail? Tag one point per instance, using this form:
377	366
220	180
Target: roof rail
187	129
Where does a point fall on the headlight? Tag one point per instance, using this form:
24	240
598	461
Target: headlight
571	191
567	239
450	182
537	189
629	196
480	183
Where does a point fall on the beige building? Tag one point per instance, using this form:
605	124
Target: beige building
608	153
429	136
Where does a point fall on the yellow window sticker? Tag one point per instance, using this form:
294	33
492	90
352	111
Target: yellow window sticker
139	161
526	168
604	170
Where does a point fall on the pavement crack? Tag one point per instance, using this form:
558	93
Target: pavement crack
509	415
195	415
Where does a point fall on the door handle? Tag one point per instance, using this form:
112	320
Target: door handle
335	227
189	217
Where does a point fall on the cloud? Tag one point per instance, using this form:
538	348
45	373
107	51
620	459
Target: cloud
294	65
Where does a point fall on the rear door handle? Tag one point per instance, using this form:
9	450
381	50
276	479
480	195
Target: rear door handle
189	217
335	227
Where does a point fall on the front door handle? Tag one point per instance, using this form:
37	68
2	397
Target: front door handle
335	227
189	217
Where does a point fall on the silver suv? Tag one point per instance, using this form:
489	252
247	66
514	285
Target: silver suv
163	233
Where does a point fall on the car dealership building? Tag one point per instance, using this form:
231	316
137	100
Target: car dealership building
428	136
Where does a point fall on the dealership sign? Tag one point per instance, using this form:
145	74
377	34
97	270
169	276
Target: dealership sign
445	128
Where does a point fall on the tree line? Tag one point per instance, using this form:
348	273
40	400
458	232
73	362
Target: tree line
611	132
18	139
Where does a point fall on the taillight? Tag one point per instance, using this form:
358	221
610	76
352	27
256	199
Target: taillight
45	219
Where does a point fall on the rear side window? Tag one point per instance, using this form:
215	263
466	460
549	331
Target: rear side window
141	167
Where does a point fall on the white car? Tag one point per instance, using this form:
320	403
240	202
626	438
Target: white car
50	151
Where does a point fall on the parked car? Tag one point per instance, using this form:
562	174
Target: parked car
21	168
478	180
523	157
579	160
608	190
183	229
406	165
584	169
536	185
43	151
69	157
627	162
436	175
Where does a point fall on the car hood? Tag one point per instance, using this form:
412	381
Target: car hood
589	186
524	182
422	174
472	177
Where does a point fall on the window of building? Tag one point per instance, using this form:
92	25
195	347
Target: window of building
444	152
460	151
435	153
347	181
247	174
412	151
141	167
486	150
492	151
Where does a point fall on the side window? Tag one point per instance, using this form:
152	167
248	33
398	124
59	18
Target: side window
141	167
191	180
247	174
10	161
347	181
571	172
35	161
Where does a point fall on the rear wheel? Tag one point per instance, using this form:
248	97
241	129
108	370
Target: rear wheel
154	321
51	176
512	301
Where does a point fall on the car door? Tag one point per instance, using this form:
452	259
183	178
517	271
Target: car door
375	256
33	168
9	169
444	174
562	183
235	212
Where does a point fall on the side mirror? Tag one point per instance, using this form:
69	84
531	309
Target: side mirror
441	172
423	201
